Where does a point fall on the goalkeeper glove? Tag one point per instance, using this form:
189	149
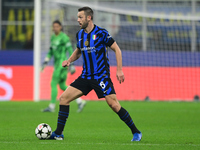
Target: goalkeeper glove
44	64
72	69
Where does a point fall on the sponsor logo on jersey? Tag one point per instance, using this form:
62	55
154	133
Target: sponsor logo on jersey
88	49
56	42
68	44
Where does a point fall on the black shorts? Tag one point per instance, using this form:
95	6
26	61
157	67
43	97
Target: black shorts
102	87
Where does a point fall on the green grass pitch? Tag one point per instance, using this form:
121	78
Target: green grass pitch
165	125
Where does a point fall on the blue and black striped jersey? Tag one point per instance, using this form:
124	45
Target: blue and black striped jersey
93	47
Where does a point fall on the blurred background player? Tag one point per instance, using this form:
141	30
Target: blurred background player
60	45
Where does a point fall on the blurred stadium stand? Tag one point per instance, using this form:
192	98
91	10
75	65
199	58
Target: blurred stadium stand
169	53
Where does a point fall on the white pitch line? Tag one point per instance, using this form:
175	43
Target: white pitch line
141	144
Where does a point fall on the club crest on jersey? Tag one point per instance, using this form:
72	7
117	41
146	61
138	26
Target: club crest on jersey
94	37
86	43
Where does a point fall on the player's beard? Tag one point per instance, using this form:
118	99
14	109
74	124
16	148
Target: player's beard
84	25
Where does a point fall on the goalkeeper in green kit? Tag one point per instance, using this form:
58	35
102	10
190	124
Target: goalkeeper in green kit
60	44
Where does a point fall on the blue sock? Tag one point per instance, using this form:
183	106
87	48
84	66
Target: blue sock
62	118
124	116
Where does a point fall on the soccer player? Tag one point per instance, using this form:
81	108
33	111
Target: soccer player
60	44
92	43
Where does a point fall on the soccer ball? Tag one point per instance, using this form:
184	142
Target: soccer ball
43	131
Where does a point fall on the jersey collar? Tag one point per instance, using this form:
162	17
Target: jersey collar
91	30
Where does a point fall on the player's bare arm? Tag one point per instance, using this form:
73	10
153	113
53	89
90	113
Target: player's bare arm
75	55
118	53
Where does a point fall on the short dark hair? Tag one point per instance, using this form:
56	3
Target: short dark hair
87	10
58	22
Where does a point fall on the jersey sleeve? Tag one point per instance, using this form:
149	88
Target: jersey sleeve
107	38
50	52
77	45
69	46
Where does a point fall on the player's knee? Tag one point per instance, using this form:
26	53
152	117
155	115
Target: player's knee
63	87
63	100
115	107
